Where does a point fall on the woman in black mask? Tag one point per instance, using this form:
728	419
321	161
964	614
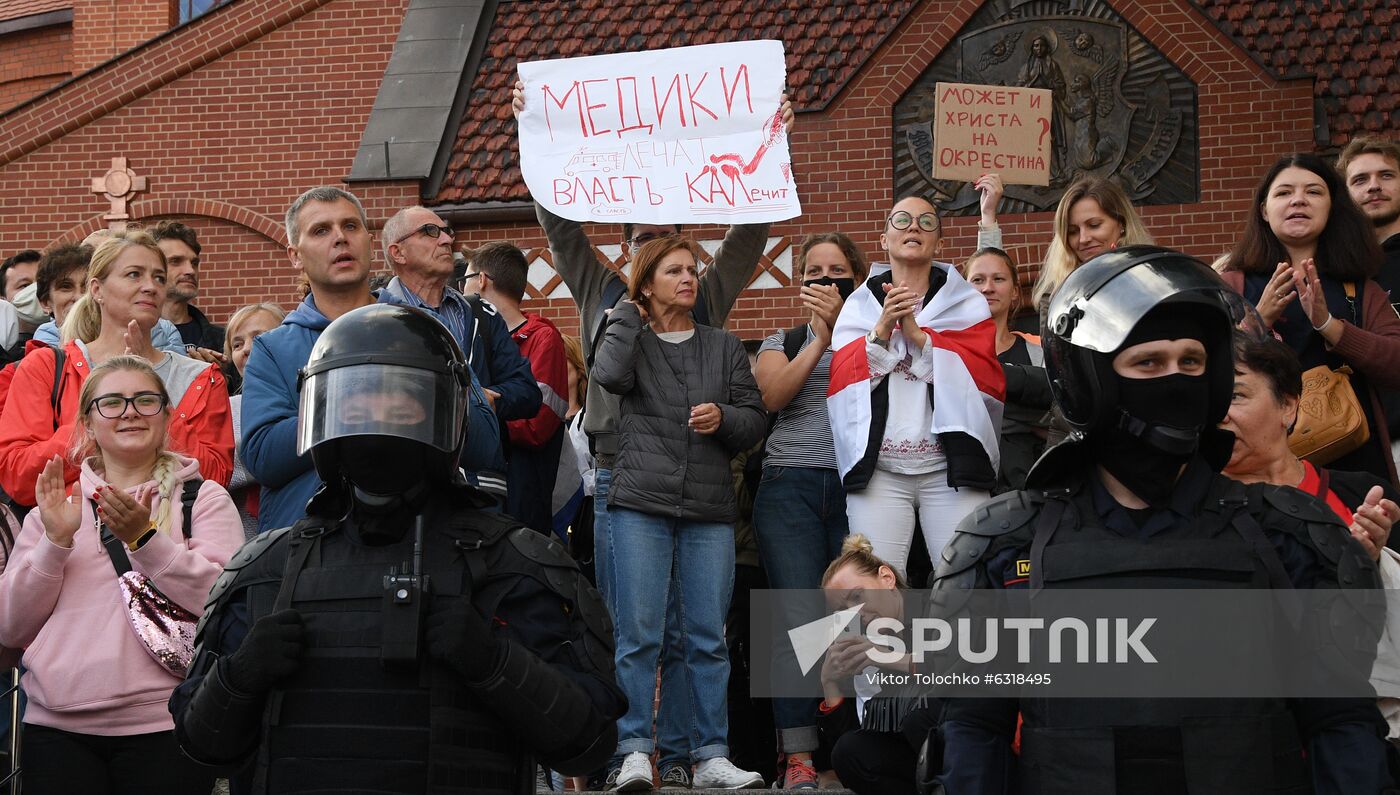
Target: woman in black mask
800	508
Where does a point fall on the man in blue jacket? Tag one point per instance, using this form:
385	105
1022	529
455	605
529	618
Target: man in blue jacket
418	247
330	244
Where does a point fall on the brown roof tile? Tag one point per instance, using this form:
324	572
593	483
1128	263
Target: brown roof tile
827	41
1351	50
14	9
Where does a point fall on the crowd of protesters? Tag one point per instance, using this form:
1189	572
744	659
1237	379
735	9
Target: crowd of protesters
138	436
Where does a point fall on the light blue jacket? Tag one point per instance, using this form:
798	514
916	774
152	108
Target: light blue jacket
269	419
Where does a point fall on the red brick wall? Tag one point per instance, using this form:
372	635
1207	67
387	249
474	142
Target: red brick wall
225	147
289	84
34	60
103	29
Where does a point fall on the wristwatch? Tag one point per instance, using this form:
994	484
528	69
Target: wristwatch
876	339
141	540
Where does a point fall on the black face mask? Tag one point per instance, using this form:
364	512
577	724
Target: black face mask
844	286
383	465
389	483
1159	430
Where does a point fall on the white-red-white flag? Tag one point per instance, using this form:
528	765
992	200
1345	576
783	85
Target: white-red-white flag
969	386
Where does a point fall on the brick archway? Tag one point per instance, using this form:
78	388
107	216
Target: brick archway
207	208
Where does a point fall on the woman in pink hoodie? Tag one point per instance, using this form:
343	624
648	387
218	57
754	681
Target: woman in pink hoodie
97	720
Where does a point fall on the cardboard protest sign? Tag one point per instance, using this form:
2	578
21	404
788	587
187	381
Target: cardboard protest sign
981	129
678	136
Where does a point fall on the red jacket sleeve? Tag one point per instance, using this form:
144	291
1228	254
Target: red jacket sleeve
27	436
202	426
544	349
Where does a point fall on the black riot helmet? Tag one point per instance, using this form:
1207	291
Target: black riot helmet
384	400
1099	305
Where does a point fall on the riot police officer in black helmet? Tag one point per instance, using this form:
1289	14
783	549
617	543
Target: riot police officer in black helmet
398	638
1139	355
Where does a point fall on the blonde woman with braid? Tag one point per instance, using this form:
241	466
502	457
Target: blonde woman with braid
97	720
121	302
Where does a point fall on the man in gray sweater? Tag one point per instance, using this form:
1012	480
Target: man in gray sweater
596	289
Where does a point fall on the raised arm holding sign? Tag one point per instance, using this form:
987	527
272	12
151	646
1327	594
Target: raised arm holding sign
685	135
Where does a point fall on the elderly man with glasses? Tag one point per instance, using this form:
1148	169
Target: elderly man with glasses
418	248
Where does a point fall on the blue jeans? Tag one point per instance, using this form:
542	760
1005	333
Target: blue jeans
649	552
673	721
602	540
799	517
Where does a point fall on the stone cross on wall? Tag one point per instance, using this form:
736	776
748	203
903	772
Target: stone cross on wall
120	186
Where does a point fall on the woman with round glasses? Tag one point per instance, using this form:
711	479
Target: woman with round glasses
123	294
97	710
916	392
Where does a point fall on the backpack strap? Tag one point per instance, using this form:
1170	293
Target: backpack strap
59	359
116	550
793	339
188	494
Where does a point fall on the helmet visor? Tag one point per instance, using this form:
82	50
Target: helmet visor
381	400
1102	320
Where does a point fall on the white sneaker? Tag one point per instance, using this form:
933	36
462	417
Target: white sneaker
635	775
720	773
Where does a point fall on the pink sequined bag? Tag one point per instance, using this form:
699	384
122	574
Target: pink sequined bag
165	629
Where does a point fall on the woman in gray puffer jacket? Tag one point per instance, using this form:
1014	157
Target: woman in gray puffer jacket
689	404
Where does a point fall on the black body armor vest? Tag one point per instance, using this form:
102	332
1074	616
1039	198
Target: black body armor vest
1148	746
357	717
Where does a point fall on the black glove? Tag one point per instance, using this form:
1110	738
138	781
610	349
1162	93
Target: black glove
272	651
458	636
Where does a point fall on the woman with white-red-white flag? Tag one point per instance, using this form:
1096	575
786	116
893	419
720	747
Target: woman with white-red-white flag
916	392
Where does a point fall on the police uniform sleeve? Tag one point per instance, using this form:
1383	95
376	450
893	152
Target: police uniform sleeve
1345	736
971	750
214	723
554	683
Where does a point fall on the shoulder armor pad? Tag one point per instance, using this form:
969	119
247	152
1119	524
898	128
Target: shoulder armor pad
246	557
1002	515
561	573
1295	504
488	527
1306	518
1316	526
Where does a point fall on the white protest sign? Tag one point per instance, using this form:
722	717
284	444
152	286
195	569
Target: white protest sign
680	136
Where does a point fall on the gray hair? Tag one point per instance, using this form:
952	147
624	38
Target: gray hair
395	228
325	193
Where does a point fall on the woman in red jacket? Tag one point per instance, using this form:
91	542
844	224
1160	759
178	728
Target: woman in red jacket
125	291
1307	261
